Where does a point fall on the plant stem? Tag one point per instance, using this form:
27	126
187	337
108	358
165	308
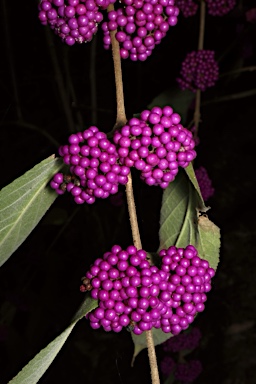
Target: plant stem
200	47
239	70
232	96
132	214
120	116
59	80
93	80
121	121
32	127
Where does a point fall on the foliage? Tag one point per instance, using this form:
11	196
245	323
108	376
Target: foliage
51	243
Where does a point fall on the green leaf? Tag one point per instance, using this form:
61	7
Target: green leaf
181	224
178	213
192	177
23	203
176	98
182	221
170	380
35	369
208	241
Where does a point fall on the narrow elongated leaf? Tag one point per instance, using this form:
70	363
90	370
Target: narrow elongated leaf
23	203
181	224
35	369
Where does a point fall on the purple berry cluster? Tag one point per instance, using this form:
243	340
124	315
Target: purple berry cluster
187	7
204	182
132	293
140	26
189	371
183	341
167	365
199	70
156	144
73	20
189	279
250	15
94	167
219	7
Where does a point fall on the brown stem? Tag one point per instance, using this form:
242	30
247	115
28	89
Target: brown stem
200	47
121	121
201	26
152	358
239	70
120	108
132	214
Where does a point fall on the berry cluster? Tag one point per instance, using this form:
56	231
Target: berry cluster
73	20
220	7
156	144
199	70
204	182
250	15
140	26
187	7
167	365
183	341
94	167
186	371
189	371
132	293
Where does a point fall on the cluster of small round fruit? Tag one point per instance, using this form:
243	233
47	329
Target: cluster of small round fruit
132	293
199	70
204	183
187	7
140	25
155	144
94	167
75	21
214	7
220	7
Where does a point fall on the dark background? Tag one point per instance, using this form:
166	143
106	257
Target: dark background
39	284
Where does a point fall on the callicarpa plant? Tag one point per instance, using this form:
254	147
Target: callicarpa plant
154	296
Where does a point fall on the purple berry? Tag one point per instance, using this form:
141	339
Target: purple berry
219	7
199	70
204	183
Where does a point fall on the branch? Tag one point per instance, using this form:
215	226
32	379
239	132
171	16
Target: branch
200	47
121	121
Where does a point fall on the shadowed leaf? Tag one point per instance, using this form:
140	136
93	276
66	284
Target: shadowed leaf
176	98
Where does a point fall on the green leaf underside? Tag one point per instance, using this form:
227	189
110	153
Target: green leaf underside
192	177
181	224
34	370
23	203
178	213
208	242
